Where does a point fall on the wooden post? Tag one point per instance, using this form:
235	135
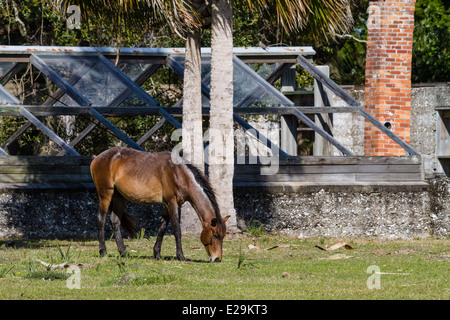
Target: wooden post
289	123
321	146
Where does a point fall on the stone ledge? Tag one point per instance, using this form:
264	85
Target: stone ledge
364	187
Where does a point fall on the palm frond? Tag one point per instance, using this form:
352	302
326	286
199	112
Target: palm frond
319	18
178	14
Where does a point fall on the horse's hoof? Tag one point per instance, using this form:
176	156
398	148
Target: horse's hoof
181	258
102	253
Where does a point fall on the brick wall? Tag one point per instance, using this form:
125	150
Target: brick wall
388	73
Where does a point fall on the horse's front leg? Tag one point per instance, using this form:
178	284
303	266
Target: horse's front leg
161	232
174	219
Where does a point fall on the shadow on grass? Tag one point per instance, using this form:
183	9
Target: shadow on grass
44	243
164	258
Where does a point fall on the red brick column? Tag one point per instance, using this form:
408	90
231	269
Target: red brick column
388	73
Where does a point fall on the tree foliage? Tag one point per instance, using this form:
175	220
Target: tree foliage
431	48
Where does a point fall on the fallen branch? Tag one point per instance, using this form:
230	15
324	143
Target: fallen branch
53	266
61	265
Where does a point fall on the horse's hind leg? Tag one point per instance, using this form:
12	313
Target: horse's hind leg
118	210
161	232
172	208
105	196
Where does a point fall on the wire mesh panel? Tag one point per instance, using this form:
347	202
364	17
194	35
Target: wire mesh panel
250	85
89	76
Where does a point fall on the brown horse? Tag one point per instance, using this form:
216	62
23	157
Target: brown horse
122	174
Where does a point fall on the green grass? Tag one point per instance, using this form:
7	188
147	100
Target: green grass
292	269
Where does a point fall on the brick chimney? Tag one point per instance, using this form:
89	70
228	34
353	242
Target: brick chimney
388	74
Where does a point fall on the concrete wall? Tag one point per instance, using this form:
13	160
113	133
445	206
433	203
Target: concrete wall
423	124
385	212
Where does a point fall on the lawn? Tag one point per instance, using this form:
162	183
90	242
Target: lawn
253	268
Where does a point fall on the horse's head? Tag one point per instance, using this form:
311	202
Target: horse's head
212	237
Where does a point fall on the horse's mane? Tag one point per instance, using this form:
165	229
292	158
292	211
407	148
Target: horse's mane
201	179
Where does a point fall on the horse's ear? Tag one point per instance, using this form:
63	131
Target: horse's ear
213	222
225	219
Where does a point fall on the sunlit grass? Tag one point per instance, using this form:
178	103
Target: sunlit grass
273	267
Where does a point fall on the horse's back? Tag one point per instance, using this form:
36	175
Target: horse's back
139	176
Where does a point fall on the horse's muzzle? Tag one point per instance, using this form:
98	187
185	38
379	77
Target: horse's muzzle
211	259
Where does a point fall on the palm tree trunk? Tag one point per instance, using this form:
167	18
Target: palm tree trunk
192	142
192	102
221	145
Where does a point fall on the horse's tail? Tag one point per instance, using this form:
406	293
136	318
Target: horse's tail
128	223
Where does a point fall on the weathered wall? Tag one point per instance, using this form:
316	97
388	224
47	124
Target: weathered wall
349	129
60	214
385	212
424	100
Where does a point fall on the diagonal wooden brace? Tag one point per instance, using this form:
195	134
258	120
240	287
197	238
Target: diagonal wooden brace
49	133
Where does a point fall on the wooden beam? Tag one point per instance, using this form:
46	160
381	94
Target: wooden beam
144	96
267	59
49	133
7	96
132	86
388	132
60	82
322	132
256	134
322	147
50	101
274	76
263	84
15	68
139	81
289	123
320	76
341	93
3	152
134	111
169	118
150	132
119	134
39	110
72	81
118	100
135	59
179	69
83	134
